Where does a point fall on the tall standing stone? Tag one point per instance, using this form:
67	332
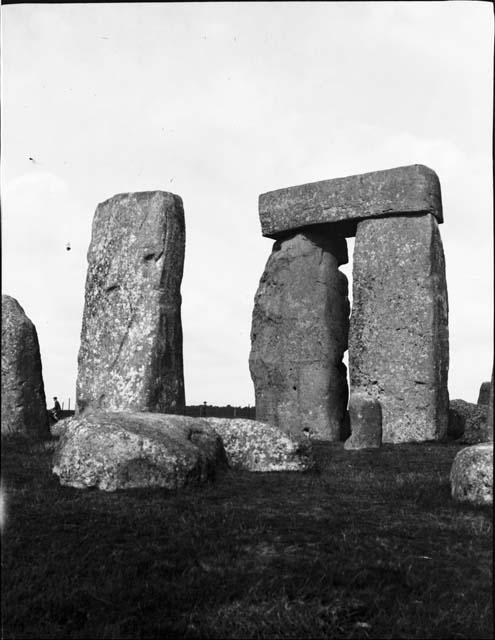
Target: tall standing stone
130	356
23	393
299	335
398	341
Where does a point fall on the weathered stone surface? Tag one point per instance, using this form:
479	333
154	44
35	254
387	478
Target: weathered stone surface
23	393
467	422
299	335
257	446
125	450
400	191
484	394
471	476
365	415
398	340
489	417
130	356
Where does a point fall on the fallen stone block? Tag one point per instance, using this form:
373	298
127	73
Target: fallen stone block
413	189
125	450
23	392
467	422
365	415
130	356
471	476
256	446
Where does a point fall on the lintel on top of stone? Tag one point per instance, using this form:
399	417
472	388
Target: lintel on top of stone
409	190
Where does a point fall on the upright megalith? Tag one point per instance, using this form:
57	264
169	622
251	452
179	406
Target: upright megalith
130	356
23	393
299	335
398	340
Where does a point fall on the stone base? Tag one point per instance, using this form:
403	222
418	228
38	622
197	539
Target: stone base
366	423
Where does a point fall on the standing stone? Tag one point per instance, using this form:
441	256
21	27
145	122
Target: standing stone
130	356
398	342
299	335
23	393
365	416
484	394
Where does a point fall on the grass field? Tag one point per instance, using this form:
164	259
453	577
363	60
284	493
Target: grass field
368	546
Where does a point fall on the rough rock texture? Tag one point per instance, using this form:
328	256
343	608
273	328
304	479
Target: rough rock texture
257	446
365	415
489	417
398	339
130	356
484	394
23	393
471	476
299	335
125	450
399	191
467	422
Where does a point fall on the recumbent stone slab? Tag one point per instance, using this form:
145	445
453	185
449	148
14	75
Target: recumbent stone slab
256	446
365	415
398	340
126	450
467	421
400	191
130	356
299	335
23	393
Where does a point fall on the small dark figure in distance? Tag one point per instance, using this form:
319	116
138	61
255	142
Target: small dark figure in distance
54	413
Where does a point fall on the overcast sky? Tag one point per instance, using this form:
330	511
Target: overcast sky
219	103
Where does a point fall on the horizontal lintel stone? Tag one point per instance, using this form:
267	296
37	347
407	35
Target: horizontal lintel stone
414	189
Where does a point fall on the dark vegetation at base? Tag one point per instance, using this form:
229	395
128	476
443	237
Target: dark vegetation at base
371	546
197	410
213	411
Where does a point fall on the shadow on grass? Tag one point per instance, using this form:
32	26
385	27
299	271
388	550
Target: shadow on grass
370	545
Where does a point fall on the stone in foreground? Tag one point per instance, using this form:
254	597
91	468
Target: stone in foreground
398	338
299	335
23	393
467	422
365	416
400	191
124	450
484	394
130	356
256	446
471	476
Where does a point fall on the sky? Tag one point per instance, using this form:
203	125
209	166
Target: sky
218	103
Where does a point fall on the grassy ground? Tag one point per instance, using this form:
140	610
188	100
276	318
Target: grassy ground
370	546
